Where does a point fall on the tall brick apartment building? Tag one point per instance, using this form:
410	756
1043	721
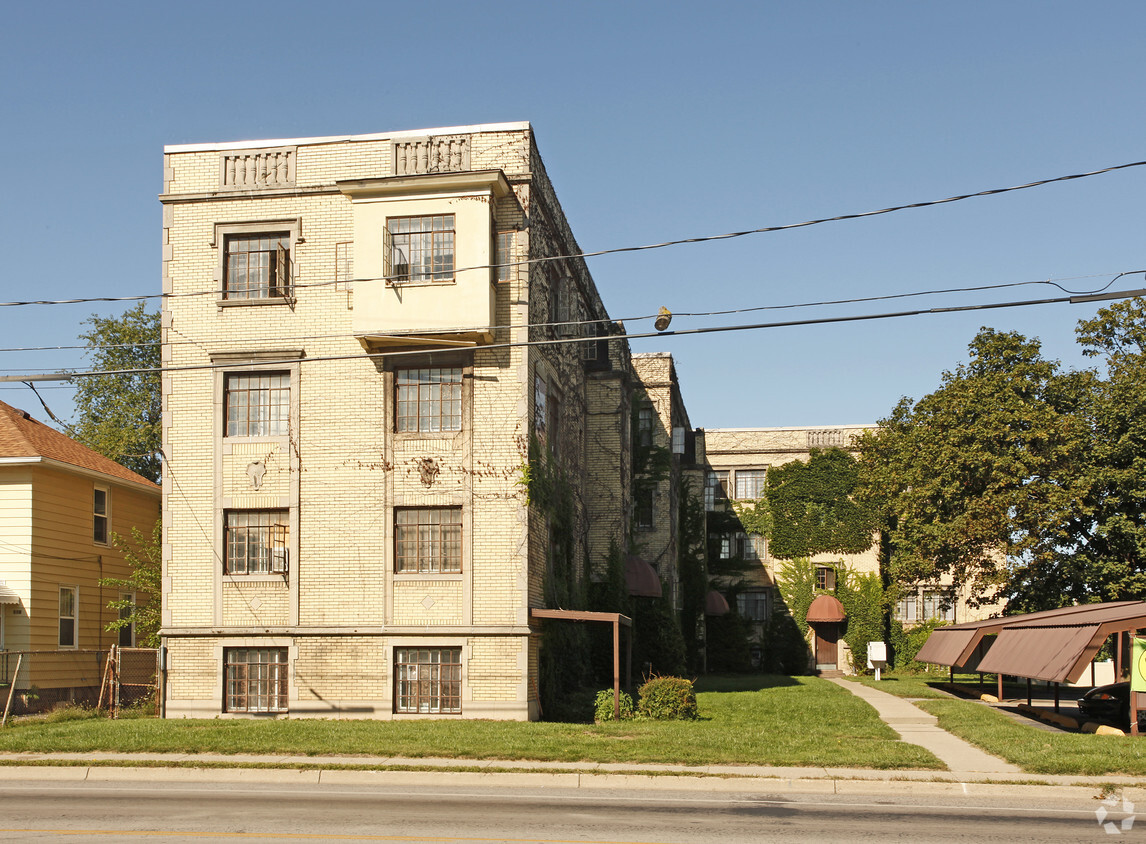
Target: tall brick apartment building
364	340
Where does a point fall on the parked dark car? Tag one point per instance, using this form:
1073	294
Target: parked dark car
1111	704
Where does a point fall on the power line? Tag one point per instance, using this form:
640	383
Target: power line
618	250
1074	300
790	306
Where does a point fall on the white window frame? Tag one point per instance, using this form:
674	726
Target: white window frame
741	483
427	246
74	591
101	518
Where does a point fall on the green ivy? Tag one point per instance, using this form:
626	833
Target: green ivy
810	508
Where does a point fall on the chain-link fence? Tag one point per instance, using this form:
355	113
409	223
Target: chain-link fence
105	678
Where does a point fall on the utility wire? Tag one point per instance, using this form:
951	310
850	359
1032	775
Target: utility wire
1074	300
789	306
702	239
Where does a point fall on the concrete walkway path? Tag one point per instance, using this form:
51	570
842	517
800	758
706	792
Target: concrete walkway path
918	727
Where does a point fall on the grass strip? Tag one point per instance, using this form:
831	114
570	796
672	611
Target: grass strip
771	721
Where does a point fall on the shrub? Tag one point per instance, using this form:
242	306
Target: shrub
668	699
604	707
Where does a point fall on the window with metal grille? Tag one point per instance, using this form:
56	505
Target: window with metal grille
429	400
420	249
750	484
252	539
100	516
257	404
428	680
256	266
428	540
256	679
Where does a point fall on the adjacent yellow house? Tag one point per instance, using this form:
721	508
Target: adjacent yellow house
60	503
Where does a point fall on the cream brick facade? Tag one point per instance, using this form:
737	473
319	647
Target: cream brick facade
334	608
732	450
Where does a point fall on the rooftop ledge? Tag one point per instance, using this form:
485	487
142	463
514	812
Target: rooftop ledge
486	181
334	139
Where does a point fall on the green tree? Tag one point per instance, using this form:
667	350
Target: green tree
992	465
145	557
119	415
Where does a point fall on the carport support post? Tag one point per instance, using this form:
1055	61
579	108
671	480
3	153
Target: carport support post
999	679
1028	691
1056	697
617	669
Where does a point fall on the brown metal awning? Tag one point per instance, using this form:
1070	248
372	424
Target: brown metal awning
825	608
1059	645
613	618
640	578
963	646
716	604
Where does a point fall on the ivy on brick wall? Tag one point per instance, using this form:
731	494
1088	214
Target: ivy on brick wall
811	509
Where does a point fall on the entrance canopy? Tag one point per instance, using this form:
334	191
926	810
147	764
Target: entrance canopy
825	608
8	594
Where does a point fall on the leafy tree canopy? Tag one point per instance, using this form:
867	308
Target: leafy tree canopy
119	415
990	467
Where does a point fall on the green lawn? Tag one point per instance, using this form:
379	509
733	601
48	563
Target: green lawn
1035	750
798	721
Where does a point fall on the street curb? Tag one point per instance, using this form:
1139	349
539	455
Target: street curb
830	784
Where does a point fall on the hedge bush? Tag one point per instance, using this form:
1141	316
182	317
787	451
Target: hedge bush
668	699
604	707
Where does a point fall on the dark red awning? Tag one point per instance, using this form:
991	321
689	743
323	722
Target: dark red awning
716	604
640	578
826	608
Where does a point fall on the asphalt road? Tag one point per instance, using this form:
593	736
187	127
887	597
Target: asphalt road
179	812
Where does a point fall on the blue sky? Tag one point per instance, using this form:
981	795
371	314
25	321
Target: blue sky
656	121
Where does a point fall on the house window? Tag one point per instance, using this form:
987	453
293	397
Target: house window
428	680
429	400
937	606
256	679
715	488
256	266
643	507
751	546
907	608
553	423
644	426
255	541
428	540
420	248
754	605
826	578
726	547
540	392
127	631
100	515
69	602
504	253
257	404
750	484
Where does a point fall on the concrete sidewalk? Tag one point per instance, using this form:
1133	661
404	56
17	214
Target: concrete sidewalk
399	771
918	727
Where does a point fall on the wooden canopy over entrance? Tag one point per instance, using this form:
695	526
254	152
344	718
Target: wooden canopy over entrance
614	618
